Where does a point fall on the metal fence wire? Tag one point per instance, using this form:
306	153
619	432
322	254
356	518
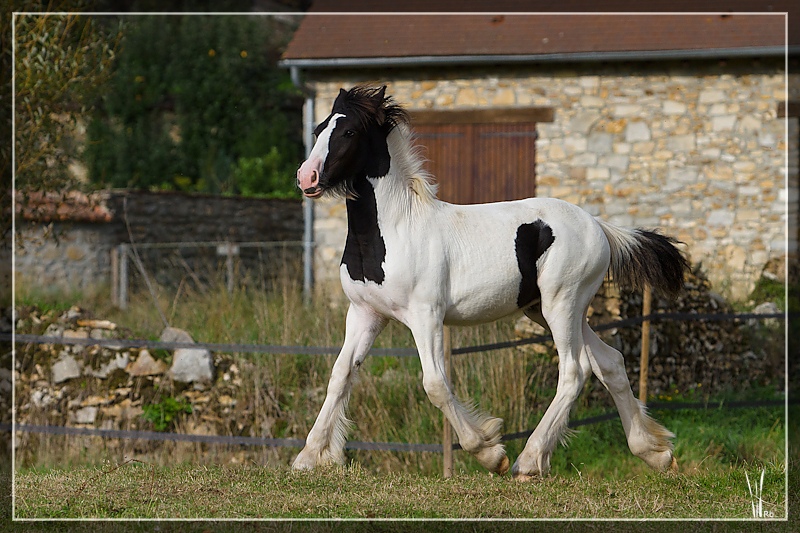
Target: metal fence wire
201	265
380	352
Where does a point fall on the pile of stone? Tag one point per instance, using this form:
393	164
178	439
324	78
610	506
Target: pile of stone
687	357
109	386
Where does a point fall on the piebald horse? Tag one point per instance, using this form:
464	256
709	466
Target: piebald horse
425	263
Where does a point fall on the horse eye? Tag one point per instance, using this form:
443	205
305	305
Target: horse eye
349	133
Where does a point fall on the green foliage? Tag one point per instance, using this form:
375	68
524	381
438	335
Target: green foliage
264	176
61	64
767	290
197	103
164	413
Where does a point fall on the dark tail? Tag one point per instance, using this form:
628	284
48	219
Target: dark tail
640	257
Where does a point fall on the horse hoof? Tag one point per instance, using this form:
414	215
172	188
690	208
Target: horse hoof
503	467
673	467
523	478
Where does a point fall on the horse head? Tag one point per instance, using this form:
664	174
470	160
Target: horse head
350	143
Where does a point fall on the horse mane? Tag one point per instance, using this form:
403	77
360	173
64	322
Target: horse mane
360	101
409	159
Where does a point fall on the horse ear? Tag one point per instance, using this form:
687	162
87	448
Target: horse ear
377	102
340	98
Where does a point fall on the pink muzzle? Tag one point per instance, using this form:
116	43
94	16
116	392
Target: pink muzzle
308	179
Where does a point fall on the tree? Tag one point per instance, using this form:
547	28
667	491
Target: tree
197	103
61	63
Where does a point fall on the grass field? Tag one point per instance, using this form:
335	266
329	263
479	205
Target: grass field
595	477
138	490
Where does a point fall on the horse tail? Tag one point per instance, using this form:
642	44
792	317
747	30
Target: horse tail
640	257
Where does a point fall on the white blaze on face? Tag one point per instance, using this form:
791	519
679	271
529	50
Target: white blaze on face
309	172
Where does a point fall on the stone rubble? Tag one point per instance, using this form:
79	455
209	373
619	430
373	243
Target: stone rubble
110	387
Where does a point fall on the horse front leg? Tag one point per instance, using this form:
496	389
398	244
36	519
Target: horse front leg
325	442
478	433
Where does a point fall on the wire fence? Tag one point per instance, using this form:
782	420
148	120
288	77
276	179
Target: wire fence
200	264
380	352
352	445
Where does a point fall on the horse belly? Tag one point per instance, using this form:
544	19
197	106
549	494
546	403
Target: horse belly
492	295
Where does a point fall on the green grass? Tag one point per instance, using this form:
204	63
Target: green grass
138	490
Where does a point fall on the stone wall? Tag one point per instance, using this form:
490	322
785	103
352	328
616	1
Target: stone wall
77	255
694	148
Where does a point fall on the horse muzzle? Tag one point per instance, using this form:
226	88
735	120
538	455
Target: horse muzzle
308	181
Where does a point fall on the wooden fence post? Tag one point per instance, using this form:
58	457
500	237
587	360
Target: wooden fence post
447	437
123	276
644	361
115	276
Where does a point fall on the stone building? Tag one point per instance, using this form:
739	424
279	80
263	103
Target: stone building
677	122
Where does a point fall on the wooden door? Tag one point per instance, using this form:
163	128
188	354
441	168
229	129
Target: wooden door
477	163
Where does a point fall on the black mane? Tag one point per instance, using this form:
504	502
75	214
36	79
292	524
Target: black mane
360	101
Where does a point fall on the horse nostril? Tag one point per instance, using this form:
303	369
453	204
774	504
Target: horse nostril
315	177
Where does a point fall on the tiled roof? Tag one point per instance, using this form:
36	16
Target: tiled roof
73	206
329	36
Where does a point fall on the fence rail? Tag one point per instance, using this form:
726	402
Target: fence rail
380	352
352	445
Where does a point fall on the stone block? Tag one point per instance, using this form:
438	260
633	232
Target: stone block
711	96
145	365
592	101
583	121
637	132
586	159
615	161
720	217
597	173
467	97
600	143
574	144
86	415
750	124
188	364
504	97
681	143
626	110
723	123
671	107
65	368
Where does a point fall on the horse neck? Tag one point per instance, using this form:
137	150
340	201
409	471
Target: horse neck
405	193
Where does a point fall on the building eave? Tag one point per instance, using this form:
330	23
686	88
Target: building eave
474	60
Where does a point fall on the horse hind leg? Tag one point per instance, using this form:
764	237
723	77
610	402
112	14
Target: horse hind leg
563	313
647	439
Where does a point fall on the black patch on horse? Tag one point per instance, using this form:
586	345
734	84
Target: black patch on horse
364	250
531	242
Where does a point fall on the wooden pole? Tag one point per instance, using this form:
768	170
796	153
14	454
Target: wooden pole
229	265
123	276
115	276
447	437
644	361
